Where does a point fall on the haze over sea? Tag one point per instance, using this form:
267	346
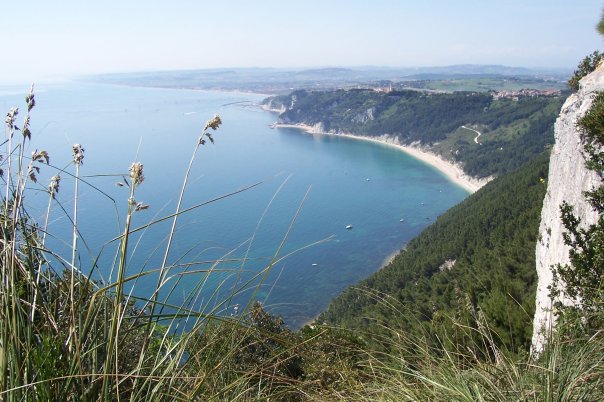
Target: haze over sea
366	185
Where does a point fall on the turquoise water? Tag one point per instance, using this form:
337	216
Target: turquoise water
349	182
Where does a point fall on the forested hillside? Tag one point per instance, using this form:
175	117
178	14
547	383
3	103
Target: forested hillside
513	130
474	265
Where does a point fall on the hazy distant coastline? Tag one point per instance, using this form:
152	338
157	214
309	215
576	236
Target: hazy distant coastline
277	81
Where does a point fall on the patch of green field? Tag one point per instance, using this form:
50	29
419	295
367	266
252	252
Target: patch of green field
486	84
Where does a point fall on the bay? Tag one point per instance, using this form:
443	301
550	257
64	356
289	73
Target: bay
332	181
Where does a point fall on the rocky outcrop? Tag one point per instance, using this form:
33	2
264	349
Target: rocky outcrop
364	117
447	265
568	180
272	105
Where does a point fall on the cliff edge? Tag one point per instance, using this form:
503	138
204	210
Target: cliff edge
568	179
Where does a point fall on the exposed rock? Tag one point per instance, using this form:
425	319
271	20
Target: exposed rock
568	180
273	106
318	128
447	265
365	117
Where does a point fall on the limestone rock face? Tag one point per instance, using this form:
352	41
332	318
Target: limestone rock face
365	117
568	180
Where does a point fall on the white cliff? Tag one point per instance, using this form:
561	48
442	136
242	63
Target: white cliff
568	180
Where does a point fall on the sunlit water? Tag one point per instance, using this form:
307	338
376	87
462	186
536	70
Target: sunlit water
347	182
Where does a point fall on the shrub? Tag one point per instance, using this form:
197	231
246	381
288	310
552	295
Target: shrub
586	66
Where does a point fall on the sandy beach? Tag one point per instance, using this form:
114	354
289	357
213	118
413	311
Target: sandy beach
451	170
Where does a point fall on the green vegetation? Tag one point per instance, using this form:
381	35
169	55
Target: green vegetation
515	131
476	260
485	83
63	336
586	66
519	131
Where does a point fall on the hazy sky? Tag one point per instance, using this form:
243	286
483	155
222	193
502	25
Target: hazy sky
48	39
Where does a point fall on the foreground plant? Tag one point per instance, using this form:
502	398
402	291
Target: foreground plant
63	336
66	337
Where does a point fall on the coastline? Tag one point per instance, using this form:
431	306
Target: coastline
267	108
312	321
452	171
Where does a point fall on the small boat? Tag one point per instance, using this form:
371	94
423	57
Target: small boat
368	179
401	220
349	227
314	264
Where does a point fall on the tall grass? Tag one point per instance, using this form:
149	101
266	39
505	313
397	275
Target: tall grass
66	337
567	372
415	368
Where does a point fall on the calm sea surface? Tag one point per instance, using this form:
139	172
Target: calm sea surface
347	182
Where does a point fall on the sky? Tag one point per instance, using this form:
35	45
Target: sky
44	40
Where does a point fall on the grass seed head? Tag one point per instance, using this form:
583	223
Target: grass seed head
40	156
26	133
30	99
53	187
136	173
140	206
10	117
78	154
213	123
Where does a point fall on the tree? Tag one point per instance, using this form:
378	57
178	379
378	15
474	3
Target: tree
586	66
600	26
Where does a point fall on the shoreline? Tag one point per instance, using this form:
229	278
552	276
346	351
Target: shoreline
185	88
452	171
312	321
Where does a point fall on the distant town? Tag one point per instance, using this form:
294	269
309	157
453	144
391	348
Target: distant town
522	93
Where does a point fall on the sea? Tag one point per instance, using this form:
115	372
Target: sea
276	215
